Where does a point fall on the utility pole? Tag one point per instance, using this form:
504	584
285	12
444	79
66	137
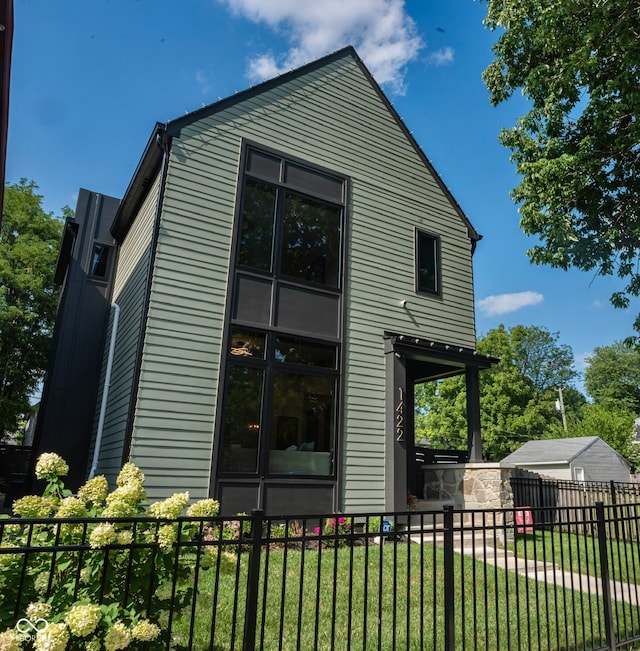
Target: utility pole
560	408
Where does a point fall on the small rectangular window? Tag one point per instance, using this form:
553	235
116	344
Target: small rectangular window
427	263
99	265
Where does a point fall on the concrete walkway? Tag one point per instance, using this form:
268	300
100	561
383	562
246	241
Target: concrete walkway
545	572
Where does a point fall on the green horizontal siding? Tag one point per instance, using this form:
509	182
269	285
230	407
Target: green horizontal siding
130	288
331	117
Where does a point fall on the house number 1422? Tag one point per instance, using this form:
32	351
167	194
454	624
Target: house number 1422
400	415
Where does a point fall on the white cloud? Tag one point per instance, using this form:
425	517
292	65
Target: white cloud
580	360
384	35
506	303
441	57
203	81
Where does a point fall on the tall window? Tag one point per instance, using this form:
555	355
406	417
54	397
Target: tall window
427	263
282	380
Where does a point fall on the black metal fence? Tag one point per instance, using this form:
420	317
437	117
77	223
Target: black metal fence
425	580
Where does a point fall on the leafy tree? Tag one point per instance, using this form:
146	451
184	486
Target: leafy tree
576	150
612	377
517	397
540	357
29	243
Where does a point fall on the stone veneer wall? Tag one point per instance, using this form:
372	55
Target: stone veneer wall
467	486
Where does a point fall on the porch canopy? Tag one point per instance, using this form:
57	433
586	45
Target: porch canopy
412	360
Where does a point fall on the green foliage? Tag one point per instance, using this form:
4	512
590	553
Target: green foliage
517	397
540	357
339	526
29	242
612	377
577	149
112	575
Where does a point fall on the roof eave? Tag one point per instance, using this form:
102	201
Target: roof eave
451	352
143	177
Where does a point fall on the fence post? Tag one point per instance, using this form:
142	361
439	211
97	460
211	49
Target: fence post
613	502
449	581
604	576
253	580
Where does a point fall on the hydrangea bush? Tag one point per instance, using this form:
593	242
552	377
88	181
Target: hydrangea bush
112	584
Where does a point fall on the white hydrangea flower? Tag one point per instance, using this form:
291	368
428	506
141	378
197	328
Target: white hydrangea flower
171	508
83	619
166	537
38	609
94	491
71	507
50	465
145	631
207	508
104	534
117	637
10	640
130	474
52	638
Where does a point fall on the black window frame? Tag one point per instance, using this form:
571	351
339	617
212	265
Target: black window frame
317	194
108	250
269	366
330	186
421	238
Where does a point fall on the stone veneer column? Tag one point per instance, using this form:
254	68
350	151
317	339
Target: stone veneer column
487	486
468	485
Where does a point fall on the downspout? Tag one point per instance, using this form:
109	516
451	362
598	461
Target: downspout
105	391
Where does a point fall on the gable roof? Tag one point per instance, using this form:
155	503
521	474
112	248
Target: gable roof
151	161
552	451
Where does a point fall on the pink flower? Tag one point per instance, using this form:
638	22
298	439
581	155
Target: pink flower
317	530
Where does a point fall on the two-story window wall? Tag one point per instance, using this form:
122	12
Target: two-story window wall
279	412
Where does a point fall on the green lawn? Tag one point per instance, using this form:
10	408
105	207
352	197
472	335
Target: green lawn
579	553
390	597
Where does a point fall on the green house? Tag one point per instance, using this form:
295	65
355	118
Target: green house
284	266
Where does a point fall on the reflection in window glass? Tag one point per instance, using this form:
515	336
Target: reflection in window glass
303	418
311	240
241	435
99	260
299	352
427	272
256	235
246	343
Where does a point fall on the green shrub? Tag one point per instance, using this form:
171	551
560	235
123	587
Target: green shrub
96	589
335	526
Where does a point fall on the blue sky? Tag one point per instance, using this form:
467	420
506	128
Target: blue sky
91	78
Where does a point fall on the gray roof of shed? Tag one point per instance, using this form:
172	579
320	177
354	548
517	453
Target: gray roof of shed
551	451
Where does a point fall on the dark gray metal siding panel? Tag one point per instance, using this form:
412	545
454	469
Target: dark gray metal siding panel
70	390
